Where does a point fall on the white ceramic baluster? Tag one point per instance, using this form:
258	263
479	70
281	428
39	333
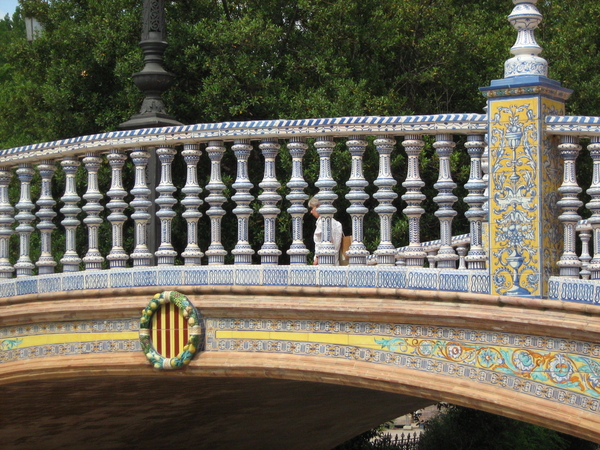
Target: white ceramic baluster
216	252
70	259
46	263
432	258
93	259
24	266
141	256
326	253
386	252
269	253
191	155
476	186
357	252
298	251
165	255
6	220
117	256
585	235
446	257
594	206
485	169
462	251
569	262
242	251
413	254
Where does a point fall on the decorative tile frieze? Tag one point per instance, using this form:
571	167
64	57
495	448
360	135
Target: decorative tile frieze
562	371
39	340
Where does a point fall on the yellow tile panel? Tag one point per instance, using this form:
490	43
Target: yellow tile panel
47	339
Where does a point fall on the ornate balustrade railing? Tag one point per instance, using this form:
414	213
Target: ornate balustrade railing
84	213
579	265
416	265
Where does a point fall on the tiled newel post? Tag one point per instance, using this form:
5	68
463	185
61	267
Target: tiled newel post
524	164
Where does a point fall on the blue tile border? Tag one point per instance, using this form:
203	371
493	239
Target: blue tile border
386	277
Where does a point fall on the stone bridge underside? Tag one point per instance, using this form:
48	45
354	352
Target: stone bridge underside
289	367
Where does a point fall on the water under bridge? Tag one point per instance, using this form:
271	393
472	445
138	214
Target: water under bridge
228	346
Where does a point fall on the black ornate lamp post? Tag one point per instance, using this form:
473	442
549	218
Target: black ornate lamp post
153	80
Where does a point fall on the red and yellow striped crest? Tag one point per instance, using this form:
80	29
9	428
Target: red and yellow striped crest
169	330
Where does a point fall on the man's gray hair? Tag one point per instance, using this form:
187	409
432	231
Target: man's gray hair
314	202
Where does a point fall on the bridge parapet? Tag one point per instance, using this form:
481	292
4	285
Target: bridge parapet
141	146
411	264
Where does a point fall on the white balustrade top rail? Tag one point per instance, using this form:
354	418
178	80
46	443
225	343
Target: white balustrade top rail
581	126
260	129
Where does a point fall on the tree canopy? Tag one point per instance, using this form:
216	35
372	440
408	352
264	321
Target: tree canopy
249	59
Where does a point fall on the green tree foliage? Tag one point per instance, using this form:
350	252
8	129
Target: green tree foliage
459	428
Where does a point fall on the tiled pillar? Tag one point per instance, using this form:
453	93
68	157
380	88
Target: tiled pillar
524	163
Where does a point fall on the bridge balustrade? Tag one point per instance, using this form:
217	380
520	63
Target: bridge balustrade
579	264
141	146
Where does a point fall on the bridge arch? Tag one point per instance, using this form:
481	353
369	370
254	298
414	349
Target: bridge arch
398	348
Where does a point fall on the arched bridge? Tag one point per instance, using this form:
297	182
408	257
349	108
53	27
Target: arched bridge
263	349
281	365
